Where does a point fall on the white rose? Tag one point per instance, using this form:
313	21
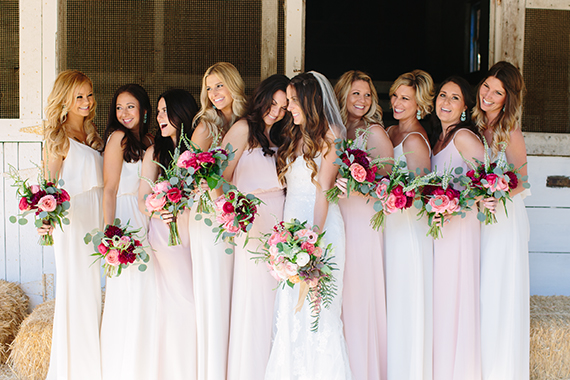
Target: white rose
303	259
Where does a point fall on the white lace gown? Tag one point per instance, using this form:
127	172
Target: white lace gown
131	297
297	353
505	292
75	349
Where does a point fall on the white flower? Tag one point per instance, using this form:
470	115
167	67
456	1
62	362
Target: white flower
303	259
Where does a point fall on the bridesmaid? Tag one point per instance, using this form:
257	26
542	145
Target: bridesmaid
223	103
256	138
456	331
364	297
72	153
408	251
130	297
175	350
505	318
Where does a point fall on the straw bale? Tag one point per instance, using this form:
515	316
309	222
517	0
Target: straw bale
6	373
31	348
549	338
13	309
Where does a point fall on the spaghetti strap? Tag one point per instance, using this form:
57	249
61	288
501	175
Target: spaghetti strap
422	136
464	129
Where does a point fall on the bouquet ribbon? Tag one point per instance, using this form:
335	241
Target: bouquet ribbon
303	291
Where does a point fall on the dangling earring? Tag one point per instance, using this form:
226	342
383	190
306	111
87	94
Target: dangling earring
419	115
144	118
503	108
213	105
463	116
64	111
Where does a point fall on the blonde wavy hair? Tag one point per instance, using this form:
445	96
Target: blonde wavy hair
342	89
60	100
212	118
313	133
509	116
422	82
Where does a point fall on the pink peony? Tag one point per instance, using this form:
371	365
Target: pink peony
279	237
153	203
24	205
310	235
102	248
174	195
357	172
442	206
112	258
206	157
161	187
47	203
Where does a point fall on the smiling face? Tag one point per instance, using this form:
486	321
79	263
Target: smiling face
277	109
492	96
404	103
166	128
450	104
218	92
359	99
128	111
294	107
83	101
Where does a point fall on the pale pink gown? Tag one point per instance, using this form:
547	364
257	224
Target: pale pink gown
176	347
253	295
364	297
456	329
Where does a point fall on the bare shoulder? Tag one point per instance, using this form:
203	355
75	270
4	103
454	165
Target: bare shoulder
465	136
415	141
149	154
115	138
240	127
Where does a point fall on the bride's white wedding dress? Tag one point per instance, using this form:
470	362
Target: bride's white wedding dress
297	353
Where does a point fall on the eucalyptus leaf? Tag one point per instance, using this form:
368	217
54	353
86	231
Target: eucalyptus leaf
229	251
481	216
23	221
13	219
142	267
208	222
198	217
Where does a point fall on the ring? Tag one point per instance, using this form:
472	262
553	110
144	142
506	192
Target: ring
161	217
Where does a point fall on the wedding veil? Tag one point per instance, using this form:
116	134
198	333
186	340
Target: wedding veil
330	106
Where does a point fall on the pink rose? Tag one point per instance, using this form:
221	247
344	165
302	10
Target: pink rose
186	160
153	203
310	235
102	248
291	269
47	203
35	189
390	204
318	252
161	187
24	205
491	179
279	237
112	257
411	193
357	172
439	204
382	188
174	195
453	205
501	185
206	157
125	240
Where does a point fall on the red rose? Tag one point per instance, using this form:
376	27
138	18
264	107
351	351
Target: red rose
228	208
452	193
174	195
400	201
24	205
398	190
206	157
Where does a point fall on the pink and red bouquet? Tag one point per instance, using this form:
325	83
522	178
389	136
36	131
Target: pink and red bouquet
357	167
394	193
439	199
296	254
235	213
118	247
48	201
208	167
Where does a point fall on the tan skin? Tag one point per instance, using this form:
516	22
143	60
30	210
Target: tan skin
405	107
73	125
358	104
328	171
492	97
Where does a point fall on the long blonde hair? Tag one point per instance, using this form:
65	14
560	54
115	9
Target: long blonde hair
60	100
509	115
342	88
422	83
212	118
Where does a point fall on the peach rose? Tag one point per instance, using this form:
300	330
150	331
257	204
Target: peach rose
357	172
382	188
153	203
161	187
112	257
439	204
47	203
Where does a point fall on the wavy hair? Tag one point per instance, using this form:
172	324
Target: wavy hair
435	124
133	145
509	115
342	89
181	108
422	83
213	118
60	100
259	106
313	133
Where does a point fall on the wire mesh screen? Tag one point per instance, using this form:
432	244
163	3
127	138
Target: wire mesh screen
161	44
547	71
9	60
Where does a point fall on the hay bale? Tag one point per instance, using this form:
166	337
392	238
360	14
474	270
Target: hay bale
549	338
31	348
13	309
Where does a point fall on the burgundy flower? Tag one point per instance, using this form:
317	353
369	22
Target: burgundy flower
371	173
228	208
64	196
126	257
206	157
452	193
409	202
113	231
400	201
513	180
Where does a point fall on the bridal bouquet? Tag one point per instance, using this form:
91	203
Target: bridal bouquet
395	192
47	200
357	167
173	191
297	255
118	247
235	213
440	199
491	179
208	166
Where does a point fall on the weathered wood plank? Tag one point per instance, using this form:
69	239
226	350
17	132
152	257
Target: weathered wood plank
539	169
30	59
548	4
269	28
549	274
294	37
547	144
11	208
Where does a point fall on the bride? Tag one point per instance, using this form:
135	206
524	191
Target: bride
307	166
